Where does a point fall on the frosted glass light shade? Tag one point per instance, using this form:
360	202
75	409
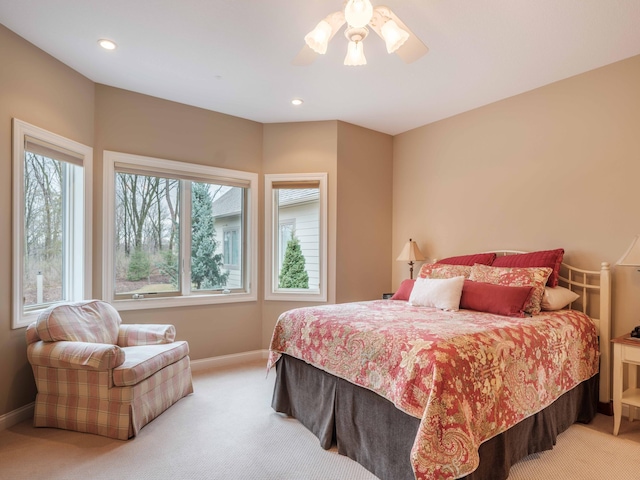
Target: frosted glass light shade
393	35
355	55
358	13
318	38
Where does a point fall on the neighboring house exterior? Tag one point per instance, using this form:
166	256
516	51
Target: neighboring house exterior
298	212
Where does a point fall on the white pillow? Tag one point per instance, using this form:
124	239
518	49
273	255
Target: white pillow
437	292
555	298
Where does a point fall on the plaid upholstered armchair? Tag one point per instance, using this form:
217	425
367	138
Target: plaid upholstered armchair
96	375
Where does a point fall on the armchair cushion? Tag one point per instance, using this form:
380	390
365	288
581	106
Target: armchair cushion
142	334
75	355
143	361
92	321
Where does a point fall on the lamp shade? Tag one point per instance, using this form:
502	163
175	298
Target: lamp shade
355	55
318	38
631	258
411	253
358	13
394	36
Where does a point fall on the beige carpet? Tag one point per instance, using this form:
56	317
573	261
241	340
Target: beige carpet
227	430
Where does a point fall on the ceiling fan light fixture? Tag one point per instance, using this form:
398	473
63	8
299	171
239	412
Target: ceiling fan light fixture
358	13
394	36
318	38
355	54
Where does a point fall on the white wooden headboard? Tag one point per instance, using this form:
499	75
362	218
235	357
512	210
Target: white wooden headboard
594	288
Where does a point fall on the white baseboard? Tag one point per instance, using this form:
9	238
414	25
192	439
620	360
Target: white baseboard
226	360
16	416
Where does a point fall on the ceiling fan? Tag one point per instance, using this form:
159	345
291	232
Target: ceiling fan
358	15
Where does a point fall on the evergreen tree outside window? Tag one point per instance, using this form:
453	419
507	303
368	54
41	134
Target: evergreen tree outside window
207	271
293	273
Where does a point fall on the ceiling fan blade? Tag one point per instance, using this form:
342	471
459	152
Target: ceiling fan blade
413	48
307	55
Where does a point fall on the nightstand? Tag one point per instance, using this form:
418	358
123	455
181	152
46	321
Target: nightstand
625	350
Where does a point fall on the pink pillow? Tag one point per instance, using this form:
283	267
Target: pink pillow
515	277
482	258
542	258
498	299
404	291
442	270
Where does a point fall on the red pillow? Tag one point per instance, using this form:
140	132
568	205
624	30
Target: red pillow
404	292
482	258
498	299
543	258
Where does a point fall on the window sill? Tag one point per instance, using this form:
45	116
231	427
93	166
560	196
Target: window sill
167	302
296	297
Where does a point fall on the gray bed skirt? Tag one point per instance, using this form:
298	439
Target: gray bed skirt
372	431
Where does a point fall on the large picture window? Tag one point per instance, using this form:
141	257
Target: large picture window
295	237
51	221
176	233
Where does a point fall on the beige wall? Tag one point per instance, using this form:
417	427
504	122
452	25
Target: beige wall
309	147
365	169
40	90
133	123
358	162
554	167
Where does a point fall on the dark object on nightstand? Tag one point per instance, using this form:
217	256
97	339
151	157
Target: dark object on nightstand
635	333
387	296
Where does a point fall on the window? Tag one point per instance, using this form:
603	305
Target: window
296	237
175	233
231	248
51	221
287	230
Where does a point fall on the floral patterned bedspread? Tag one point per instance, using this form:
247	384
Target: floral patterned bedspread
467	375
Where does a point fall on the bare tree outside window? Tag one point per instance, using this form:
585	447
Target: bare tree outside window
43	226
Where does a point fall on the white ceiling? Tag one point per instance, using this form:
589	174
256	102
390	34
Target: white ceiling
234	56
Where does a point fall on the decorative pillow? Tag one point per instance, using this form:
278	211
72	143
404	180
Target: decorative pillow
91	321
481	258
404	291
442	293
498	299
543	258
557	298
436	270
515	277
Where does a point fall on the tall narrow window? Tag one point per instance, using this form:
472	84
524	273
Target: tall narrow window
177	233
52	222
296	237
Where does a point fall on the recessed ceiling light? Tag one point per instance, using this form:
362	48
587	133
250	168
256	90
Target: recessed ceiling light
107	44
297	101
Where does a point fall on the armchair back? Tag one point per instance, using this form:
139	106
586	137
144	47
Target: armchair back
92	321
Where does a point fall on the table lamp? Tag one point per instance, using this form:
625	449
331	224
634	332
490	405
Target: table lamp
411	253
631	258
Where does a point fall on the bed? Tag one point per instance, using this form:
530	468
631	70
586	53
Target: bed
410	391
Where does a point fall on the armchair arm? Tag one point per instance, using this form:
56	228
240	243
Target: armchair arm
133	335
75	355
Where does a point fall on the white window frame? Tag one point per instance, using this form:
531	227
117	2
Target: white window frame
77	254
157	167
272	233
